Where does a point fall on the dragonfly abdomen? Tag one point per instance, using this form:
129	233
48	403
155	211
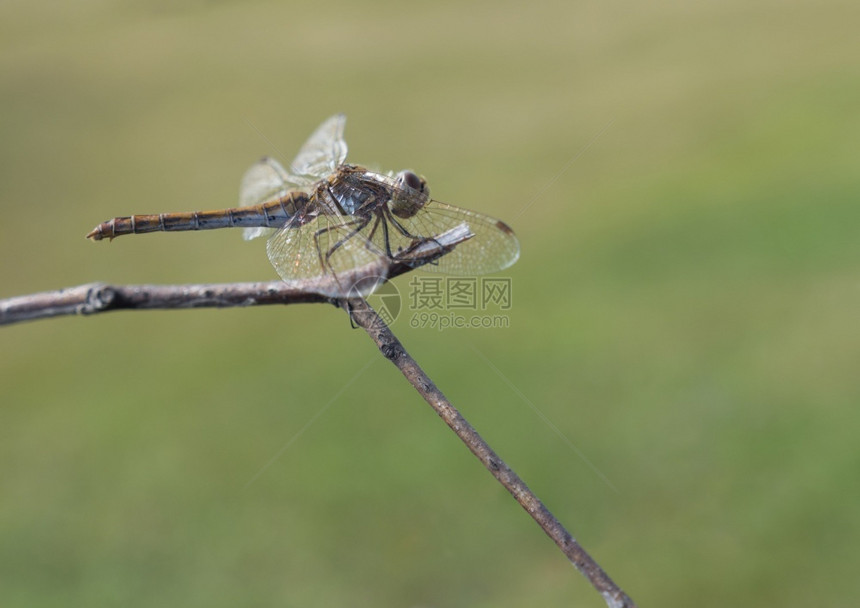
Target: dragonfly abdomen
272	214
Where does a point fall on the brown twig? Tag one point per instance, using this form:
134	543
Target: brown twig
393	350
94	298
98	297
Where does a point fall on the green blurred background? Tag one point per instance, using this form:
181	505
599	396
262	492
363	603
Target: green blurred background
685	308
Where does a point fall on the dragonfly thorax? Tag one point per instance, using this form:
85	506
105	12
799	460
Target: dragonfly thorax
410	196
350	191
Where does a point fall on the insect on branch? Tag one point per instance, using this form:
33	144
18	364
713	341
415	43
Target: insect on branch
98	297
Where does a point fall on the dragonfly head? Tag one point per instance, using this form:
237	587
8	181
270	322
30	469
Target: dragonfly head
412	195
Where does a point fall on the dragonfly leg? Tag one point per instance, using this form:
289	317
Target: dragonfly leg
349	312
325	260
386	237
373	231
402	230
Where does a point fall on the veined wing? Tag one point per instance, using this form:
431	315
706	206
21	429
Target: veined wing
329	246
493	247
267	179
323	246
264	181
323	152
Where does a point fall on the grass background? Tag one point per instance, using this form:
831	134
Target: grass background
685	308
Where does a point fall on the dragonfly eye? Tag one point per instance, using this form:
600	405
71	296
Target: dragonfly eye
412	180
412	196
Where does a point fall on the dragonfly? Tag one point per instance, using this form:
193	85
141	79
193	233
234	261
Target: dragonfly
325	218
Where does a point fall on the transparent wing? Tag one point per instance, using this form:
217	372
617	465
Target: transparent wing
324	150
493	247
328	247
321	246
265	180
